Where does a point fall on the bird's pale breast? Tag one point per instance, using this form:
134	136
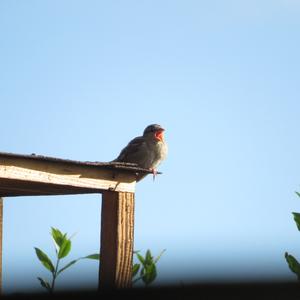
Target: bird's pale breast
159	152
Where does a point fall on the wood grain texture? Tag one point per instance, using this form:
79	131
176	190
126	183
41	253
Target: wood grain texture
1	232
116	249
21	176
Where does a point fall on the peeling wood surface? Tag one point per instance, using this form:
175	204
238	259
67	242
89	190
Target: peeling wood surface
23	176
130	167
117	229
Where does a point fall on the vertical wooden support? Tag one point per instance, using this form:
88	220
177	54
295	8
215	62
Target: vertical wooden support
1	225
116	249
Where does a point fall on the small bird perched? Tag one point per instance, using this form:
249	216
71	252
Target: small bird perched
147	151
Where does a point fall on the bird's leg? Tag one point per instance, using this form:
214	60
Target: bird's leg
154	172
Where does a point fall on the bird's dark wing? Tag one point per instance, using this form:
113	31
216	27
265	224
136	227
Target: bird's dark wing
131	150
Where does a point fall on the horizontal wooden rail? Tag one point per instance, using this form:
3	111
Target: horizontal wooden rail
22	175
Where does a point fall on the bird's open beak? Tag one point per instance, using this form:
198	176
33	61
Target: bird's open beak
159	134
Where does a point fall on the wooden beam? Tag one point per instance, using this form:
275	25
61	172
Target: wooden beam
1	229
116	249
22	176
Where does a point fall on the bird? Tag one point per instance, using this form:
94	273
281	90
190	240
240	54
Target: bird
147	151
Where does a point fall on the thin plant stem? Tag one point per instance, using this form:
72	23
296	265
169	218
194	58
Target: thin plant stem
54	275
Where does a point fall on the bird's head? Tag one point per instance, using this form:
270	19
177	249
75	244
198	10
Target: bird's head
155	131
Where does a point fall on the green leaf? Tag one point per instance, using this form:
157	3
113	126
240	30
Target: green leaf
135	269
57	236
93	256
297	193
149	274
140	258
67	266
148	258
44	259
65	249
44	284
293	264
159	256
297	219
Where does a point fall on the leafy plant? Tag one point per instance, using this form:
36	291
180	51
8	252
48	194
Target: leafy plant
146	269
62	248
293	264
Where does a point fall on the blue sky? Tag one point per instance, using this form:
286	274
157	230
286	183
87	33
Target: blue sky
79	79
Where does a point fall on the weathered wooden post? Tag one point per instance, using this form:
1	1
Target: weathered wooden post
33	175
1	237
117	223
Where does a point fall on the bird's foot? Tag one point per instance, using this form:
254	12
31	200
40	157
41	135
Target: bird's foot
154	172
